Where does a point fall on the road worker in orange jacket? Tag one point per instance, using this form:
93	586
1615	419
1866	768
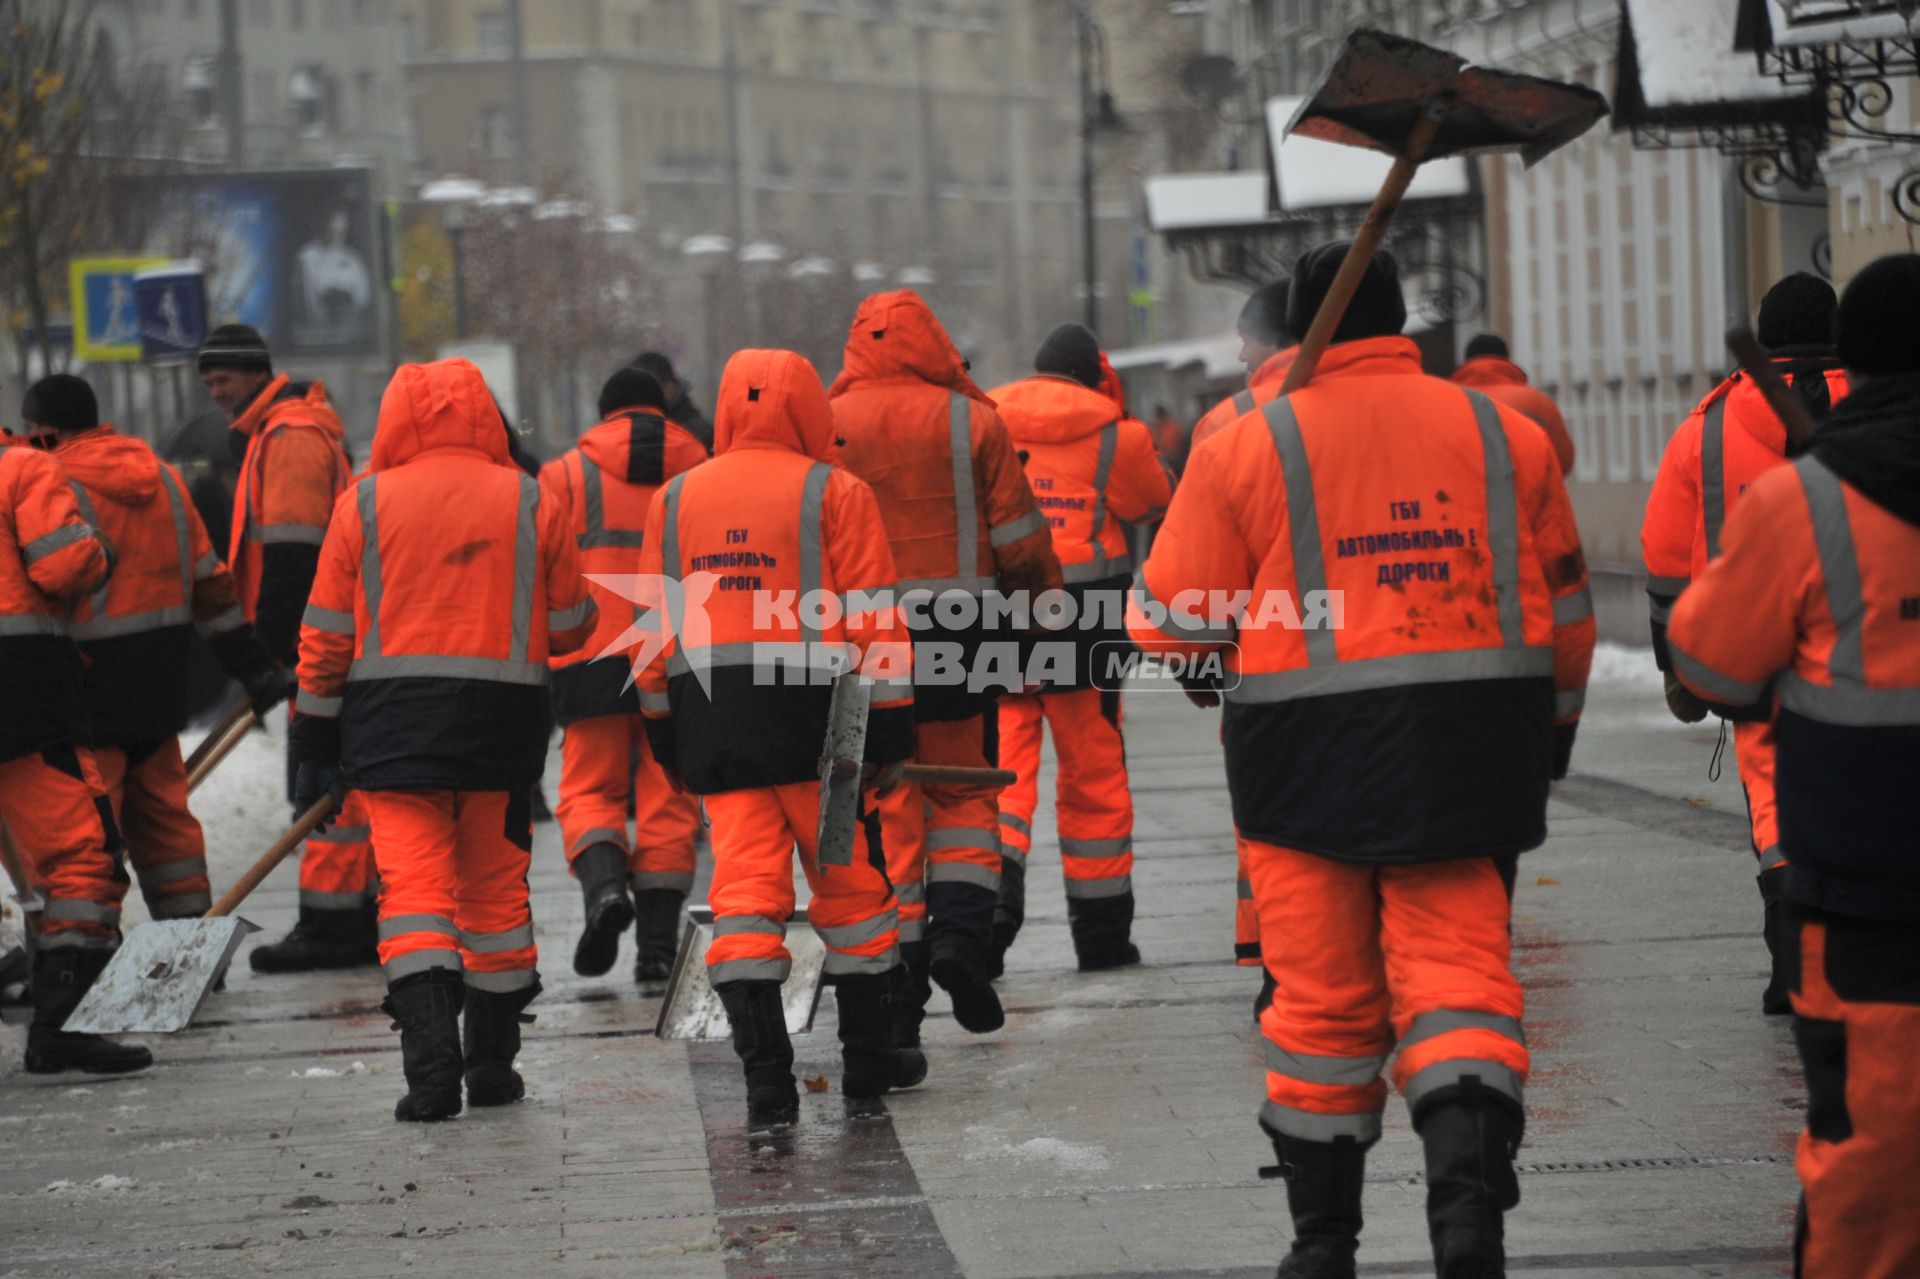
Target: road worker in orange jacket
775	575
1418	624
445	585
962	523
135	634
1727	443
293	468
1093	470
52	799
606	484
1813	607
1489	369
1266	348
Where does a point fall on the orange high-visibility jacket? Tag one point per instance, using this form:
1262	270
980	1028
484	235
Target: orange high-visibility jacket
606	484
1814	605
294	471
444	586
1413	651
1729	440
136	631
1506	382
49	555
1262	387
738	695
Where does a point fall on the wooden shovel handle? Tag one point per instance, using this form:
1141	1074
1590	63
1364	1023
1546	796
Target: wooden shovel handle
942	774
1333	307
15	868
1786	406
219	744
295	836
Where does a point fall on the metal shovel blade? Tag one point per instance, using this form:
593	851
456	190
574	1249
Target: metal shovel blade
841	756
692	1009
1378	88
160	976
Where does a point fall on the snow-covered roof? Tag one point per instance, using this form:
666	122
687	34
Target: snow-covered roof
1686	56
1219	355
1311	174
1194	201
1801	22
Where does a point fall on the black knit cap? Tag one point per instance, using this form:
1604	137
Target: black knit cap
1878	328
1488	344
630	388
1072	351
1264	317
1797	311
61	401
235	346
1377	309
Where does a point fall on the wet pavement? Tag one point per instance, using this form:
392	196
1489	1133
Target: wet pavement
1109	1129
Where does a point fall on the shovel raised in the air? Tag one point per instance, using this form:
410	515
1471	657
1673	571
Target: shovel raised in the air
1419	103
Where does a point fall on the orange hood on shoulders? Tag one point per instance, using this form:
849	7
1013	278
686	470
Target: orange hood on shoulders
281	400
1050	409
896	335
610	445
773	400
1490	370
442	405
120	469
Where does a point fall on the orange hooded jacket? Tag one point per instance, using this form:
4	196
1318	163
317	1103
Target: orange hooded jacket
1506	382
1262	387
737	696
136	630
49	555
445	584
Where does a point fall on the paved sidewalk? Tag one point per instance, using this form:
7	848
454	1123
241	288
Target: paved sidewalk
1108	1130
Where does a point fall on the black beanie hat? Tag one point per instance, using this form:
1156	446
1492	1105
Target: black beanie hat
629	388
1072	351
1488	344
1797	311
61	401
1377	309
1264	317
1878	328
235	346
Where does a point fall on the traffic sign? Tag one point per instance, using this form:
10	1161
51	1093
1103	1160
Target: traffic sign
106	322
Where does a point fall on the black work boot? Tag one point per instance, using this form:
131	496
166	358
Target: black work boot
961	971
61	978
321	940
871	1063
766	1054
911	990
425	1008
490	1036
657	931
1471	1137
1777	927
1008	913
1102	930
602	872
1324	1183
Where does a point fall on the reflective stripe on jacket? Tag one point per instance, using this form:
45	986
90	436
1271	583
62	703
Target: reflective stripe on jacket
1262	387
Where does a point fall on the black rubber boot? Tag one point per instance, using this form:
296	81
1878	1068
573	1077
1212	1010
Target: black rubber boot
1324	1184
321	940
1102	930
657	932
602	872
962	974
871	1063
425	1008
1471	1137
911	990
61	978
1009	913
490	1037
766	1054
1777	927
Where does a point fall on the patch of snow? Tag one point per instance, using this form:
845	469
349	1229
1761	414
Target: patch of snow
1626	667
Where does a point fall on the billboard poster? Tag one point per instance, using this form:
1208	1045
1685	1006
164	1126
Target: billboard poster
292	253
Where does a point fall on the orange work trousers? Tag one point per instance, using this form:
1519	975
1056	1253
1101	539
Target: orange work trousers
453	875
1092	803
604	762
1246	914
1365	958
943	842
168	849
1753	747
337	868
755	835
55	805
1857	1021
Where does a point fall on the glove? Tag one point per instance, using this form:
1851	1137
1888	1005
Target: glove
315	780
883	778
1686	708
267	687
1202	690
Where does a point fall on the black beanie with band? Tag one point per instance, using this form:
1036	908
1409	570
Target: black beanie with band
238	347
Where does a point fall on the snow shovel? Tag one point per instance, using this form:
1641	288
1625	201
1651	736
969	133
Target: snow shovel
219	743
692	1009
1419	103
1788	407
163	971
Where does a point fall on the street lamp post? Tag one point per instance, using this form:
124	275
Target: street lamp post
453	195
1089	247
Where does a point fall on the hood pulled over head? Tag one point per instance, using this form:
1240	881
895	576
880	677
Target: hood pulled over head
773	400
442	405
